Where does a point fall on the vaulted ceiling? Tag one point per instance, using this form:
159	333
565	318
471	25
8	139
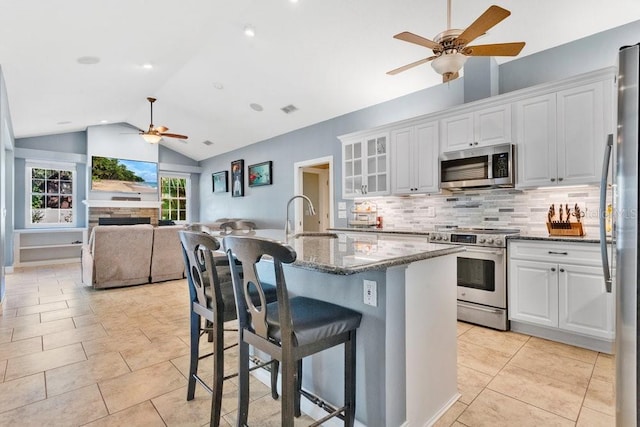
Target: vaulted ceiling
325	57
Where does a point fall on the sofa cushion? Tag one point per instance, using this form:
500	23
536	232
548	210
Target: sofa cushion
167	262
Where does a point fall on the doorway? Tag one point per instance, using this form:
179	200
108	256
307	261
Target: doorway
314	179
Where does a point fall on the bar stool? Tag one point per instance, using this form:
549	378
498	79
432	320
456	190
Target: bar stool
212	299
288	329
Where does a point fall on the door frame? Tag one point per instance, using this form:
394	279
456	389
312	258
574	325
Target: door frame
298	169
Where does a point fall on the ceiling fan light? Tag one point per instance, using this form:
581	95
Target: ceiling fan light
449	63
151	138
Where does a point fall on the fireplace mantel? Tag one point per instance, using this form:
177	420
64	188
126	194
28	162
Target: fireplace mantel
122	203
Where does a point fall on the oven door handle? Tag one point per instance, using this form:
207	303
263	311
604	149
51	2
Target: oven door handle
476	307
482	251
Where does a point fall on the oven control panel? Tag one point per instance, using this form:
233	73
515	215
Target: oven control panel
469	239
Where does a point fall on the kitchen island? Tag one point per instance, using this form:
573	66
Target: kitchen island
406	343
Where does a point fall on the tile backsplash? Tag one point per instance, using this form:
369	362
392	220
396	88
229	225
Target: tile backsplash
508	208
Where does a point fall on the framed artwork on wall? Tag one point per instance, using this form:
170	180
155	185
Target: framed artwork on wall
260	174
237	178
220	180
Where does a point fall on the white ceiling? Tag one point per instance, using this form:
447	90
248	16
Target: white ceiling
326	57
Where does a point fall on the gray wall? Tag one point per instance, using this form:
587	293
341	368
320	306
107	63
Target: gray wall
6	173
266	205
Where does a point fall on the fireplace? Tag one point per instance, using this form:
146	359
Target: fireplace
121	215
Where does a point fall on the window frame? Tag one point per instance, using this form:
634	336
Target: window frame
50	164
187	178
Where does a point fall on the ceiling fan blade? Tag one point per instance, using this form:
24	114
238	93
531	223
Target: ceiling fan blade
408	66
499	49
174	135
488	19
447	77
162	128
414	38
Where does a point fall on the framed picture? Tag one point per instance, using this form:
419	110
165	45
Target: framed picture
220	180
260	174
237	178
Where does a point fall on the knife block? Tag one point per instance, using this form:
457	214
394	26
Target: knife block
565	228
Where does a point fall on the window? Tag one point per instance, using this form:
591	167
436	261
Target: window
50	195
174	194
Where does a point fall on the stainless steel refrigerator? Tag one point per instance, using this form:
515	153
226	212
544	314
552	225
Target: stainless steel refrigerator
624	277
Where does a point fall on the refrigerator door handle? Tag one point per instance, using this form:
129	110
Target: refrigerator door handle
603	213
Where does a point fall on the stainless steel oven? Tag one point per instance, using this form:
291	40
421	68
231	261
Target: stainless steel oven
481	274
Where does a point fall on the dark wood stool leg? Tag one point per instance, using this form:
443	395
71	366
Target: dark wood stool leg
243	383
298	388
289	391
350	379
218	372
275	368
194	354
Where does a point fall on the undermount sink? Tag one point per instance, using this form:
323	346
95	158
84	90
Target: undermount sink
315	234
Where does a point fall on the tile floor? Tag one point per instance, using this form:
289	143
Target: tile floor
72	356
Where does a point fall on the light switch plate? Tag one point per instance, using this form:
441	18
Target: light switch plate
342	214
371	293
342	206
431	212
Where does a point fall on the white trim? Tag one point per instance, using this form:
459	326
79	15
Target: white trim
187	178
28	153
49	164
122	203
297	185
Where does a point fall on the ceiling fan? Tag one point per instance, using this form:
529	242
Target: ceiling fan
155	134
450	47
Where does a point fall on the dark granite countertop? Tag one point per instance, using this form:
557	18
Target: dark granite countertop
349	254
405	231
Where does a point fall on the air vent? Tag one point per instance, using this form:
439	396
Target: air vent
289	109
207	142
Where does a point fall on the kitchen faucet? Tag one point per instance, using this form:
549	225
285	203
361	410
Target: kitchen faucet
311	211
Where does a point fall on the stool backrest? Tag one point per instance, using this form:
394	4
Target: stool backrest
197	249
239	225
198	227
249	251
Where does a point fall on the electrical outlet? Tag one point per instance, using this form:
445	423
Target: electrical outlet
370	293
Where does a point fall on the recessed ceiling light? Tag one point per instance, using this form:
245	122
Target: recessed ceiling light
104	121
88	60
293	1
218	85
256	107
147	66
249	31
64	122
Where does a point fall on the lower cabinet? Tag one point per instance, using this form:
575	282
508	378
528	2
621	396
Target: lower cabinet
560	286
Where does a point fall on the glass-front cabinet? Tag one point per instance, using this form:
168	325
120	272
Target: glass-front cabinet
365	165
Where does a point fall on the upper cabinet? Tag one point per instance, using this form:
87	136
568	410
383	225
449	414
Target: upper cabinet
561	135
365	165
414	163
485	126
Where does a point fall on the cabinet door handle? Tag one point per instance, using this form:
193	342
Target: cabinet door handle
560	179
470	144
562	270
553	269
475	143
558	253
553	180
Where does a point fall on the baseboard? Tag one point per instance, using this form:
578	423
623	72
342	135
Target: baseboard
8	270
591	343
442	411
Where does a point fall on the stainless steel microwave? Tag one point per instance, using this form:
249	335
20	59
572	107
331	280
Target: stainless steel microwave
482	167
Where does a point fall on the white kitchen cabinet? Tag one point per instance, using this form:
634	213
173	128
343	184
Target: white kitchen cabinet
365	165
561	135
477	128
48	246
560	286
533	294
414	164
